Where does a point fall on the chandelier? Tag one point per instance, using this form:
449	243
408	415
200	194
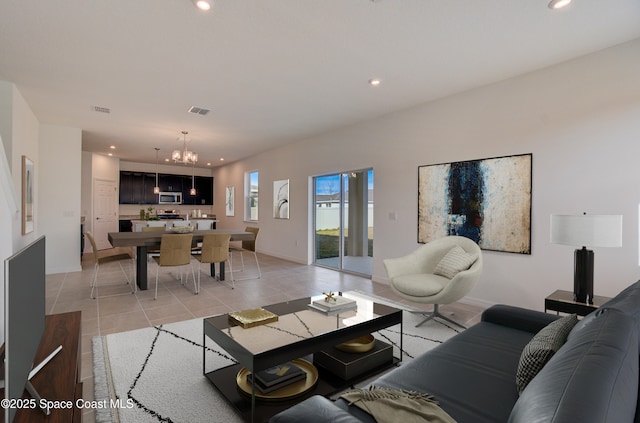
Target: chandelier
185	156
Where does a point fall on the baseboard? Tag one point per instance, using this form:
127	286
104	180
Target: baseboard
476	302
283	257
67	269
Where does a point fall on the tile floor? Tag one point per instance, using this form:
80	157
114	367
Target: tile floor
281	280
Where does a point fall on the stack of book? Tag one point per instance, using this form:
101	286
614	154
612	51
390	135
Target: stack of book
335	305
276	377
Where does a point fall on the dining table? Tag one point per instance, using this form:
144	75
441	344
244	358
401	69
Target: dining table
143	240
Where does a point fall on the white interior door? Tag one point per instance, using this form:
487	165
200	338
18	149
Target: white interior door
105	211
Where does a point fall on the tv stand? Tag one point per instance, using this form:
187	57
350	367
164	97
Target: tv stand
60	378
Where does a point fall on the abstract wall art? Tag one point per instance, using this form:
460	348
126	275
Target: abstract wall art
281	199
27	195
487	200
230	197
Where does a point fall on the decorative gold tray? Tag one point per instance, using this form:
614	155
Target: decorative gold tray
252	317
286	392
359	345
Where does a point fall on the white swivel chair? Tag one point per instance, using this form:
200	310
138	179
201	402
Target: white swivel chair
424	277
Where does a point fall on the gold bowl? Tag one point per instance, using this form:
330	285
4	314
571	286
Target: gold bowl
359	345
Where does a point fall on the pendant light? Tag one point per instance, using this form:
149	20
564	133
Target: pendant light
193	176
156	189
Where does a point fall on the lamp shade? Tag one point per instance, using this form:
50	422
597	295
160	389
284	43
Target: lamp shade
587	230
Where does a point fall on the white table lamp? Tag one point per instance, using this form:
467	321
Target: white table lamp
586	231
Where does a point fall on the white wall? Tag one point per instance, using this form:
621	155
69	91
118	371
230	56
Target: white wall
56	154
59	177
95	166
581	121
19	135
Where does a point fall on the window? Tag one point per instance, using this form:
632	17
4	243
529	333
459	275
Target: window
251	196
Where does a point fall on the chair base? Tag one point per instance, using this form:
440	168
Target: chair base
237	250
436	314
95	287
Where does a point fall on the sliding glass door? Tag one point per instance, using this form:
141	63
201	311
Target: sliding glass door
343	220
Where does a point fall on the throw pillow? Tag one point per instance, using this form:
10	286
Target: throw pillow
541	348
456	260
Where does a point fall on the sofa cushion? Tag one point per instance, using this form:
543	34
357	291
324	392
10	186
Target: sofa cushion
419	285
455	261
458	372
541	348
592	378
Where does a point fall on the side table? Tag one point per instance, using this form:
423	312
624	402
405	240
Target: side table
562	302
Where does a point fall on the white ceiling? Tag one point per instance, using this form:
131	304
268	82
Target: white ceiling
274	71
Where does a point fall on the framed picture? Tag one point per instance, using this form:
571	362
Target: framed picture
486	200
230	200
27	195
281	199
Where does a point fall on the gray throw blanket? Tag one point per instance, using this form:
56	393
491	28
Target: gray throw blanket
391	405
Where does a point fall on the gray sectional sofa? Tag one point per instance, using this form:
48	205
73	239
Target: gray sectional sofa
593	377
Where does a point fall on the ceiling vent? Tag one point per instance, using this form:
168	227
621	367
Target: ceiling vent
100	109
198	110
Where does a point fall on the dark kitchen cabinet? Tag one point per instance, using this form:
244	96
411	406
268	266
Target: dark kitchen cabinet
137	188
170	183
204	191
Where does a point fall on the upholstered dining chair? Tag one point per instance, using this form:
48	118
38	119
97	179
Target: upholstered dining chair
110	255
248	246
175	250
439	272
153	250
215	249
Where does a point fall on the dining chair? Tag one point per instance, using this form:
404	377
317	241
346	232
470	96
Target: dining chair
201	225
106	256
248	246
175	250
215	249
153	250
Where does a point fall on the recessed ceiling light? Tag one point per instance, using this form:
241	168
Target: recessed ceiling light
222	159
558	4
203	4
374	82
110	154
209	164
166	160
113	147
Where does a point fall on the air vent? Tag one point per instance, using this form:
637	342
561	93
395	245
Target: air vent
100	109
198	110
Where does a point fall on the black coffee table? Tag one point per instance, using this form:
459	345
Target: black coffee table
298	333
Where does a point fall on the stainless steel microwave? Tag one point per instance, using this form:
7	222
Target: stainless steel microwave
170	198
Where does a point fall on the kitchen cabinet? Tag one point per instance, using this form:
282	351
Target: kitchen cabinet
204	191
170	183
137	188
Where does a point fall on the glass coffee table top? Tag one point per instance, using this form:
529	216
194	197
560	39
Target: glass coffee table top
296	322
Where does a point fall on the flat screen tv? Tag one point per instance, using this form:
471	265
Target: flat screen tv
24	319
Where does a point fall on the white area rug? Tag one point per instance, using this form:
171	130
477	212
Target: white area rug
156	373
